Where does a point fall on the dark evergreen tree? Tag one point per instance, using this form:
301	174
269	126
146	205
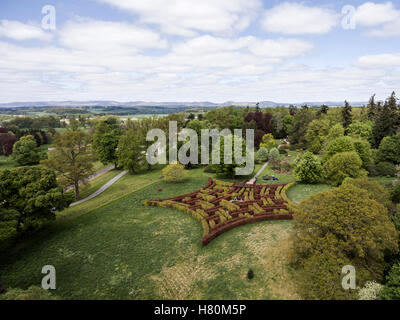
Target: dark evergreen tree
372	108
347	115
386	121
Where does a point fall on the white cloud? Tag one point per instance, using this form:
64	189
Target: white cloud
188	17
281	48
296	18
380	60
105	36
19	31
372	14
383	15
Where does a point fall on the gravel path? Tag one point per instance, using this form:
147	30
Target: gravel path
96	174
258	174
102	189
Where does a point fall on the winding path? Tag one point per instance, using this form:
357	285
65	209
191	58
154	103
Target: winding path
257	174
94	175
101	190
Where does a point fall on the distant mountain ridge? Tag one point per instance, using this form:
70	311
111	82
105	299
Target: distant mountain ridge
94	103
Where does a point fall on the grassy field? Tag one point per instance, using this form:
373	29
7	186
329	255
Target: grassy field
123	250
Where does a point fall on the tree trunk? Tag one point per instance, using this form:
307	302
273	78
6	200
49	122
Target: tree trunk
77	195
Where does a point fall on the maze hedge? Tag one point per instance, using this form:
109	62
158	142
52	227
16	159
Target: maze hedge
216	209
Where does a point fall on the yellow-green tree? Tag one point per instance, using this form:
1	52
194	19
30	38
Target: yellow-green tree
174	173
72	158
268	141
342	226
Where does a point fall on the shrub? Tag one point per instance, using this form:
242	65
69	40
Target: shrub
308	168
342	166
262	154
273	154
386	169
389	149
391	290
395	196
174	173
32	293
250	274
370	291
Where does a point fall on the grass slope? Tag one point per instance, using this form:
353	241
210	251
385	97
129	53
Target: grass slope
124	250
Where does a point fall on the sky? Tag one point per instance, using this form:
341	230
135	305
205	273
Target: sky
198	50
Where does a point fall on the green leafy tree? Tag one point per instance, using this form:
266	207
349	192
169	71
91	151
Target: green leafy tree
342	226
26	152
361	130
226	169
273	155
391	290
316	134
174	173
262	154
131	151
298	128
72	158
363	148
342	144
27	198
105	140
343	165
389	149
337	131
308	168
268	141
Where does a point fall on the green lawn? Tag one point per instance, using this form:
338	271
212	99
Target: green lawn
124	250
7	163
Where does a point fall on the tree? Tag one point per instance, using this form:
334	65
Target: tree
372	108
337	131
343	165
342	144
386	121
268	141
74	124
28	196
105	140
316	135
25	151
391	290
347	116
361	130
389	149
273	155
229	169
174	173
299	126
342	226
72	158
363	148
7	141
131	151
308	168
262	154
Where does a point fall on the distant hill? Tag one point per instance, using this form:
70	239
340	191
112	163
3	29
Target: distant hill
69	104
